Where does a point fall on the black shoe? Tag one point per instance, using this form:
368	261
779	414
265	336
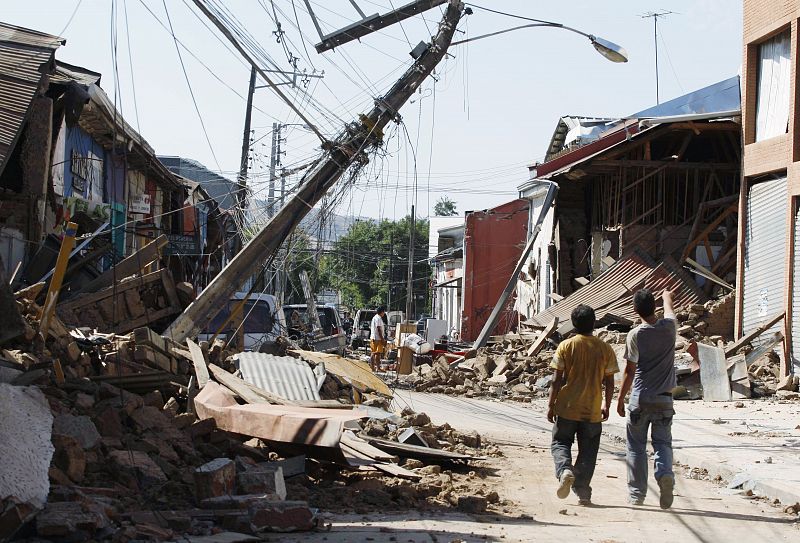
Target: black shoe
666	485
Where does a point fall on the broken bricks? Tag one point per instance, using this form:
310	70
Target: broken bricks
214	479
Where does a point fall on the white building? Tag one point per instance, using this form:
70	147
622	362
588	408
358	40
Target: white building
448	266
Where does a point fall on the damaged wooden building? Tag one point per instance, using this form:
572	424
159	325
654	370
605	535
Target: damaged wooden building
67	155
653	197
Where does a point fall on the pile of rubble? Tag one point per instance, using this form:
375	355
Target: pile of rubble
501	370
517	366
136	437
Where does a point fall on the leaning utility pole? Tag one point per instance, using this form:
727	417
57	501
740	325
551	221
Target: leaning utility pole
347	148
241	192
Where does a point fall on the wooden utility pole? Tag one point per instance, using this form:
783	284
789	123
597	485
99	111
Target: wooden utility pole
241	193
410	280
349	147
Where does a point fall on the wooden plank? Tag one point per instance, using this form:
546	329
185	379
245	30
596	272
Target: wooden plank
540	341
153	358
82	300
763	349
397	471
708	229
239	387
145	336
754	334
354	442
48	310
414	451
128	266
151	316
713	373
199	361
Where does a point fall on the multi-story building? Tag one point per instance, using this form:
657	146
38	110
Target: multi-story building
768	267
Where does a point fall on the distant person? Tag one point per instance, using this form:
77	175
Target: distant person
584	366
347	323
650	352
377	341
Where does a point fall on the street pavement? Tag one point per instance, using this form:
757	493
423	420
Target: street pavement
703	510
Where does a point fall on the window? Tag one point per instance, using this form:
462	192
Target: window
774	83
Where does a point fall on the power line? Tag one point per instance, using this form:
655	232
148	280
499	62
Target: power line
189	85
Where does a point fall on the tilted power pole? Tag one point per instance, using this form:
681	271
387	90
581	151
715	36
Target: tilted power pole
347	148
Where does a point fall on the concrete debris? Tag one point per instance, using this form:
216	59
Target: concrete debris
25	447
115	440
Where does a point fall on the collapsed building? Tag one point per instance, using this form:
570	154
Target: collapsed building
640	200
68	155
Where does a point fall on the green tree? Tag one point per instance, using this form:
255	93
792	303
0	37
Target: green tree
369	264
445	207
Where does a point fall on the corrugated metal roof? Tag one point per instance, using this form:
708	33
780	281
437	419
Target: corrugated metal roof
283	376
26	36
25	56
67	72
611	293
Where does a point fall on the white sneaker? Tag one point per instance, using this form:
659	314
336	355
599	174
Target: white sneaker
565	483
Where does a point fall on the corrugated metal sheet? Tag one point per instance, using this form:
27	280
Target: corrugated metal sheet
67	72
612	292
25	56
765	254
283	376
796	291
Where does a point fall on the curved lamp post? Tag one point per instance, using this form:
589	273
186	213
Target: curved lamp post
610	50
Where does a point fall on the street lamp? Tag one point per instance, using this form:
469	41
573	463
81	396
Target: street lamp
610	50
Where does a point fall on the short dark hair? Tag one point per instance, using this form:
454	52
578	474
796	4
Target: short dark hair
583	319
644	303
380	309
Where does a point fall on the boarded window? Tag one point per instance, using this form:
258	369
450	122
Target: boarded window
774	82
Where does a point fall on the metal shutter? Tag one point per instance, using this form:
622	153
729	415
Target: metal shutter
765	254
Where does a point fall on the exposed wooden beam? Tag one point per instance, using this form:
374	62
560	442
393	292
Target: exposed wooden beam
666	164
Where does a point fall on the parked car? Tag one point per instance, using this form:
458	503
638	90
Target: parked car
263	322
331	339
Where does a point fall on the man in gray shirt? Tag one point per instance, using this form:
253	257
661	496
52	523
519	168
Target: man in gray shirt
650	353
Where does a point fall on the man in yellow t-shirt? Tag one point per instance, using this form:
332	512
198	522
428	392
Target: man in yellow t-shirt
584	365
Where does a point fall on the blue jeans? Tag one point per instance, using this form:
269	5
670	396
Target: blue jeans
588	433
657	417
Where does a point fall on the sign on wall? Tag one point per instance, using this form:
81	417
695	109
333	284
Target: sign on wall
140	204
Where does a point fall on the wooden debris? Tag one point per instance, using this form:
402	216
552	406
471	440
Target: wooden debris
199	361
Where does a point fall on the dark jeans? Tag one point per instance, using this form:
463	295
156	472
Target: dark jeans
564	432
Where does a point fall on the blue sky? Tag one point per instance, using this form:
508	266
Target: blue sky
495	105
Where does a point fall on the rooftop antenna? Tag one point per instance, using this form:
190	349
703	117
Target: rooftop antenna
655	16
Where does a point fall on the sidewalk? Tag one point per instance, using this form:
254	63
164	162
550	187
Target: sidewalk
756	446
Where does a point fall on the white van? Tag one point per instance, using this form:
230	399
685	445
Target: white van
263	321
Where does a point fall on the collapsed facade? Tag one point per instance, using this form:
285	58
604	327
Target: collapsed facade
68	155
659	188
